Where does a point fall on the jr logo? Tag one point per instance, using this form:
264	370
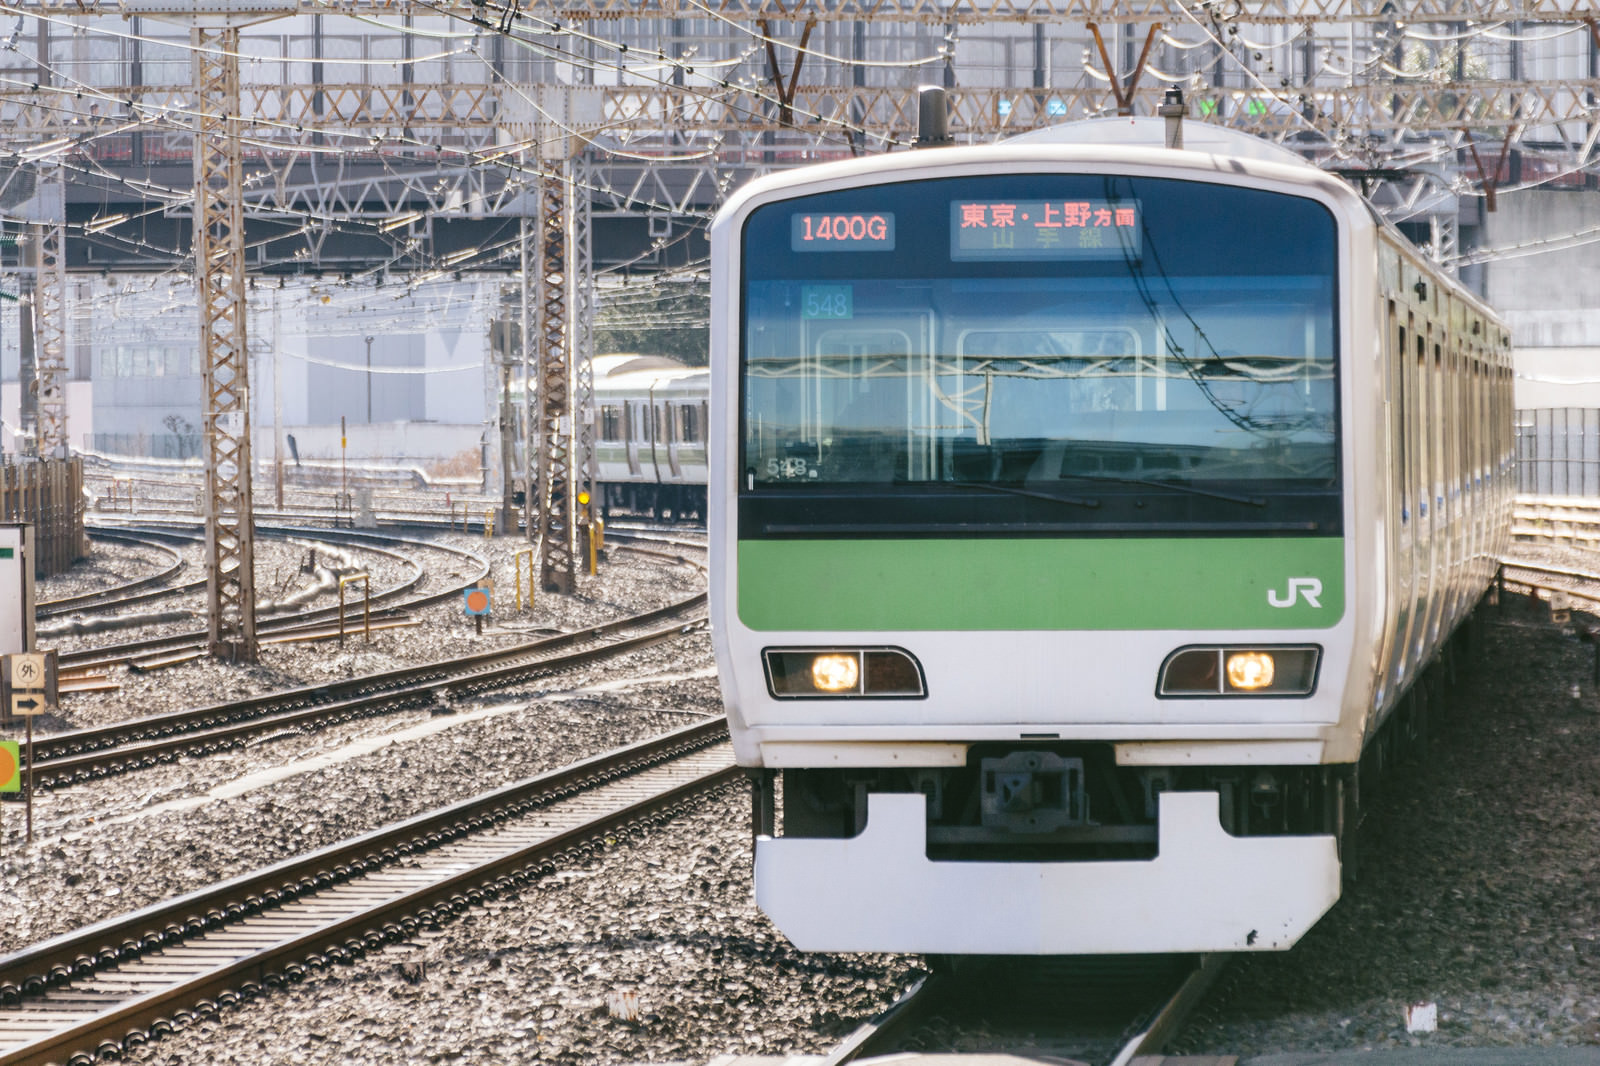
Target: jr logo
1308	587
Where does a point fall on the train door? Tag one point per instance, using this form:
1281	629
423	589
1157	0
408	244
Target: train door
1485	458
1421	498
658	437
1406	552
674	431
1397	614
636	422
1444	560
1442	503
1460	511
1391	444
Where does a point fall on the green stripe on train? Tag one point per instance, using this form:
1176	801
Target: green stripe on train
1133	583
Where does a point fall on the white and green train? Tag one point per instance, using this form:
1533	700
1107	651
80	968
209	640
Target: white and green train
650	416
1088	519
650	434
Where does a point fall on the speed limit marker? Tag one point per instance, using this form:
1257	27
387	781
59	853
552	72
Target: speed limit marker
27	670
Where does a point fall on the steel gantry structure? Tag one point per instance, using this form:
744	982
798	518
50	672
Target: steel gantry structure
387	138
47	241
224	346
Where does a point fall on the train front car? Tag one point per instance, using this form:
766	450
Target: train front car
1035	540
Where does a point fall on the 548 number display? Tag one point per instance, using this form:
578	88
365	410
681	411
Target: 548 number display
827	301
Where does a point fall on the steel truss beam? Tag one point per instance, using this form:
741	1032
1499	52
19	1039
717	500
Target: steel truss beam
557	564
1397	106
581	287
220	277
528	286
944	12
632	115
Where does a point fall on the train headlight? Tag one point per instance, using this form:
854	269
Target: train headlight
843	673
835	673
1228	672
1249	670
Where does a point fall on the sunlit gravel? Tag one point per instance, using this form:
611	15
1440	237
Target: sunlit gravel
1476	895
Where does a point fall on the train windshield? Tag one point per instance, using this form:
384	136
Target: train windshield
1056	351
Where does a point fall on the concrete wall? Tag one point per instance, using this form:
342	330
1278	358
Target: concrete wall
1549	292
80	413
406	443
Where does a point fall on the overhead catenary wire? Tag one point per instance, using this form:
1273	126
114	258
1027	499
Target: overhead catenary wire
348	144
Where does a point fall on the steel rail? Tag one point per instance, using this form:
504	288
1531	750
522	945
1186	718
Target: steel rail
107	655
1168	1019
1122	1033
210	949
117	653
878	1035
118	593
81	755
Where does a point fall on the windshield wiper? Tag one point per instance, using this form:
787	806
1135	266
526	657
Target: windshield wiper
1159	483
984	486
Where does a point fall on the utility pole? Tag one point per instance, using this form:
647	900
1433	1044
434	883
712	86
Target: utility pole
277	398
219	274
219	269
47	254
557	563
27	365
532	497
506	522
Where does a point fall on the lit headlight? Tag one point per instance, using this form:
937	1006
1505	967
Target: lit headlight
835	673
1249	670
843	673
1240	671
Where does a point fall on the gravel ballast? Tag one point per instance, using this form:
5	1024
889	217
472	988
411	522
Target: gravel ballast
666	916
1477	889
113	845
1476	895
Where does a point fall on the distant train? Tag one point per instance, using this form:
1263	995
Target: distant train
650	417
1089	521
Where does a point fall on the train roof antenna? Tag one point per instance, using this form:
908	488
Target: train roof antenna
933	117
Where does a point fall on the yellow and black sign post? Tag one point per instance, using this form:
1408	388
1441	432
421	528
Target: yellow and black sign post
27	680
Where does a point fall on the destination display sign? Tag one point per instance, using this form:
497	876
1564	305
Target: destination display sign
842	231
1044	229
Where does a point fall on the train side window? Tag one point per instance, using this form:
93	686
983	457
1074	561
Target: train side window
688	424
611	423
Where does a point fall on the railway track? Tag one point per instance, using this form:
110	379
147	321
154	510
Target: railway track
81	755
1110	1033
1573	520
100	992
391	605
464	516
390	602
128	591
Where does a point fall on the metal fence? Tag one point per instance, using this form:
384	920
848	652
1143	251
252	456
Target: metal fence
1558	451
148	445
48	493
